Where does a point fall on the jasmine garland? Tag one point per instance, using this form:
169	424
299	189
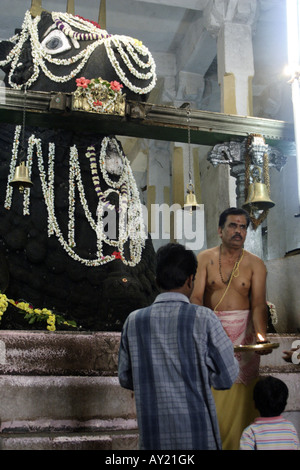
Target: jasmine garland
130	223
126	46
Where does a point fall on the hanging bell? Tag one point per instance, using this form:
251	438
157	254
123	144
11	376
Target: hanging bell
247	203
258	198
21	179
191	202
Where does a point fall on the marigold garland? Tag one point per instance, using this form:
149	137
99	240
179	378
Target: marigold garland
35	314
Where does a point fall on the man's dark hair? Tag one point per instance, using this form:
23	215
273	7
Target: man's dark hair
270	396
174	265
233	211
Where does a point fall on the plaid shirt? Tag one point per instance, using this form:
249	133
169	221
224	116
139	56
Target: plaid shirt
171	354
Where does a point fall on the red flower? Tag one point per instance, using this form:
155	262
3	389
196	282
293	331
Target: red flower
115	86
97	103
90	21
117	255
82	82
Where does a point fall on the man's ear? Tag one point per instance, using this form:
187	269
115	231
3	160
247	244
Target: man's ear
190	281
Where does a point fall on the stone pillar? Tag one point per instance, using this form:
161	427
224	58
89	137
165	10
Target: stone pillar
189	88
231	23
235	68
159	191
189	228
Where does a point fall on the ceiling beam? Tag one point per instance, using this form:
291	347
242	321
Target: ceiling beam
143	120
187	4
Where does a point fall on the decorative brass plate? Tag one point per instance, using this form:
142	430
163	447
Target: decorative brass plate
256	347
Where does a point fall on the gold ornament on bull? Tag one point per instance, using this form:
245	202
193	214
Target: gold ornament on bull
257	193
99	96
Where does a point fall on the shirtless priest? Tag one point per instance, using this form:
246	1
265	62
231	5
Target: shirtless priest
232	282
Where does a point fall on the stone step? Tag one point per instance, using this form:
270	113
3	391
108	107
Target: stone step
59	353
71	441
86	353
59	398
59	390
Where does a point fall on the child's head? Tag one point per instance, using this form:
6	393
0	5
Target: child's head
270	396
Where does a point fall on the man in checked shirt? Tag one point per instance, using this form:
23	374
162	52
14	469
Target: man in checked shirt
171	353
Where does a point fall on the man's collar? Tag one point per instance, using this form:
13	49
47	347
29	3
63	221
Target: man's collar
171	296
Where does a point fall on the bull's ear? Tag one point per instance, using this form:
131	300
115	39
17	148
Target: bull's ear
5	48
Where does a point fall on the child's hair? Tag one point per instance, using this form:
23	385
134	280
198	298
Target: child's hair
270	396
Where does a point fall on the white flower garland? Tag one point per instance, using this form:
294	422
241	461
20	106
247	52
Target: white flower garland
80	23
131	224
12	168
26	210
119	42
64	21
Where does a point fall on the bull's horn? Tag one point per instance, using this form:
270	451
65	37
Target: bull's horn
71	7
102	14
36	8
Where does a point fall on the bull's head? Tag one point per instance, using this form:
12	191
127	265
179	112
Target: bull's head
52	50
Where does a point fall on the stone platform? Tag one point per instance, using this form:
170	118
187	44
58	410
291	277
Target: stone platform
60	391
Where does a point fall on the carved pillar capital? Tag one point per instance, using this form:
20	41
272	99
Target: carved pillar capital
218	11
234	154
228	153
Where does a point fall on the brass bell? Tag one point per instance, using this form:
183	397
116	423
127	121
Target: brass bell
258	198
21	179
191	202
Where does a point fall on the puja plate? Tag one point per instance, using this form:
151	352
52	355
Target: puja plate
256	347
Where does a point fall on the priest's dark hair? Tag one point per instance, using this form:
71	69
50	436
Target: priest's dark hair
174	265
233	211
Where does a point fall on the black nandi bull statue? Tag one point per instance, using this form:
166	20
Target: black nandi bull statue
58	252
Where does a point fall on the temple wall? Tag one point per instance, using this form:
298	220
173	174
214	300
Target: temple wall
283	291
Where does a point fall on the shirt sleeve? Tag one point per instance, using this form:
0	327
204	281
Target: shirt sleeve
223	366
124	363
247	441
